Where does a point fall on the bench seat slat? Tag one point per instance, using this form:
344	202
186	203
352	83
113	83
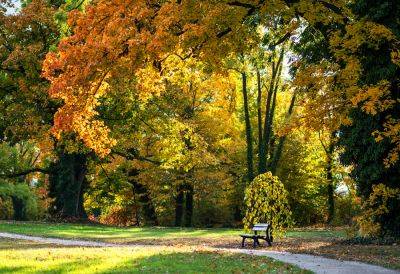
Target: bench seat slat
256	228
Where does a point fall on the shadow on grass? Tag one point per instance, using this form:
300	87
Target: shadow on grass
203	262
12	244
13	269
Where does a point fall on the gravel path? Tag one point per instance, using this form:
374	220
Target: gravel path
314	263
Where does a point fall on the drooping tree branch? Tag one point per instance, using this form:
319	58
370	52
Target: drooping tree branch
24	173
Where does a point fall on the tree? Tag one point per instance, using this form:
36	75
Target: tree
109	41
27	111
266	202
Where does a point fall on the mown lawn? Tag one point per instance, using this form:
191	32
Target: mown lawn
143	234
29	257
317	241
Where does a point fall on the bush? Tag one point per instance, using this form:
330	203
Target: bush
21	199
266	202
6	208
120	216
346	208
376	219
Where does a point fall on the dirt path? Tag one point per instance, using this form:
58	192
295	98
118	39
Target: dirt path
316	264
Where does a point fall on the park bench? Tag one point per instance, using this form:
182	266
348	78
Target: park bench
256	236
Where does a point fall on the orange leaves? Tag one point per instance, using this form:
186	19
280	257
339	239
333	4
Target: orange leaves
120	38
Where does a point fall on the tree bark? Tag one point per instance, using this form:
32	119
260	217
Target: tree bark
278	151
67	185
144	199
179	207
270	107
330	188
261	158
249	134
189	205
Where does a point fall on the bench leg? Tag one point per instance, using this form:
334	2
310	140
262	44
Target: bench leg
255	242
243	241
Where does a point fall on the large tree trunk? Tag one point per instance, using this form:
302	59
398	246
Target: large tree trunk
249	133
67	185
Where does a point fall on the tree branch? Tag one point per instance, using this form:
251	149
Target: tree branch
132	155
24	173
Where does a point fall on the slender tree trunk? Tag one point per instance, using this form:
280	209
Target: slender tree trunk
81	180
278	151
189	205
330	188
179	207
144	199
249	134
271	102
265	140
269	112
261	158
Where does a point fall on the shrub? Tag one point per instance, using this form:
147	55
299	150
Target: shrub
6	208
120	216
375	220
23	201
346	208
266	202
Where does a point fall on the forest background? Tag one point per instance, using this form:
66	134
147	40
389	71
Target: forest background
163	112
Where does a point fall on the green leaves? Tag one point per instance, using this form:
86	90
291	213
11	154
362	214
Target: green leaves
266	202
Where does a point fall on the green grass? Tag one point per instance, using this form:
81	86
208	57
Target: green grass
27	257
111	234
120	235
316	233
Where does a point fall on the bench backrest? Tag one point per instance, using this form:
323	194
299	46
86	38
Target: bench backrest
260	227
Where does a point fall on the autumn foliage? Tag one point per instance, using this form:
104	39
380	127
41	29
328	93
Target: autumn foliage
134	105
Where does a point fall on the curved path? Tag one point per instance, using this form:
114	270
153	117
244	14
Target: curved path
314	263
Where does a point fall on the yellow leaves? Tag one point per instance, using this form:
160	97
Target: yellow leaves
374	99
359	33
150	83
317	12
395	54
375	207
392	133
266	202
182	148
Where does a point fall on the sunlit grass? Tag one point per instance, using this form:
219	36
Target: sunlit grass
111	233
28	257
120	235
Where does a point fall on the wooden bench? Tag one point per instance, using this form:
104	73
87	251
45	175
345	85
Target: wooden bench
256	237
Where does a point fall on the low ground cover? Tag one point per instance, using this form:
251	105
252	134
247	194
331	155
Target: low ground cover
29	257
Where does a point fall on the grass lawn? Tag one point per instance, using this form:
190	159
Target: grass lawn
322	242
28	257
143	234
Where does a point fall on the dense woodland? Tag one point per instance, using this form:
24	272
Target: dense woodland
182	113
